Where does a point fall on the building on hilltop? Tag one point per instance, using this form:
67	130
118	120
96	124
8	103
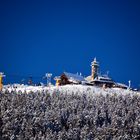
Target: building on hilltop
120	85
103	81
96	79
69	78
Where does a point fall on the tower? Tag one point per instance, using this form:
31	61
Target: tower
1	80
94	69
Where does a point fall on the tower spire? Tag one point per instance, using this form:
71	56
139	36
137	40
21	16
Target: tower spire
94	69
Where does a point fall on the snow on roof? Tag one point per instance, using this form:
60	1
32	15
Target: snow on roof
74	77
103	79
120	84
88	78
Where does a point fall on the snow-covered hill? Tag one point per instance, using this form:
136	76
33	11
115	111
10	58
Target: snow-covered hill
74	112
69	89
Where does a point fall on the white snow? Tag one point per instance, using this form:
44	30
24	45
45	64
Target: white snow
68	89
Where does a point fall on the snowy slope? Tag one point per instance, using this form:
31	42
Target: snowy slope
68	89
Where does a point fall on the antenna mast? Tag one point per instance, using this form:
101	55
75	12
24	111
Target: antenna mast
129	82
48	76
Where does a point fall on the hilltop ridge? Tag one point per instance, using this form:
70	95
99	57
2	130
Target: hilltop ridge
80	89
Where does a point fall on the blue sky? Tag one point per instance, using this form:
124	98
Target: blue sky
55	36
